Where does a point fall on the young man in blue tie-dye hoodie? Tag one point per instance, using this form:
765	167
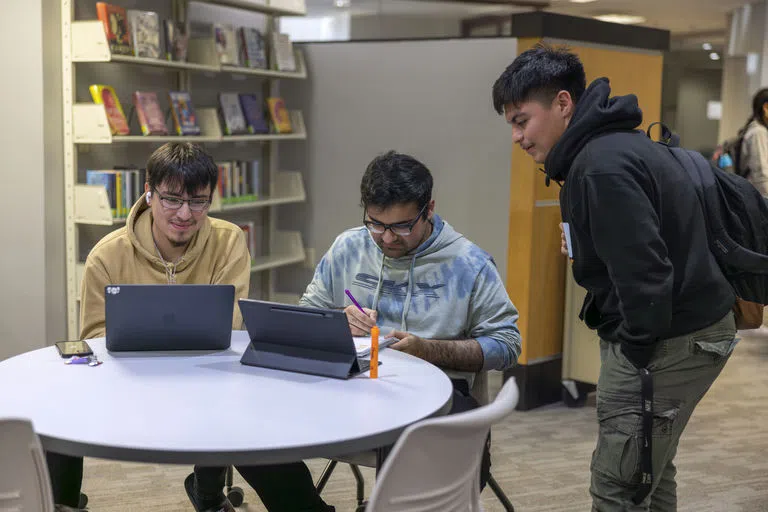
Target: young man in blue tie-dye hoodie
415	275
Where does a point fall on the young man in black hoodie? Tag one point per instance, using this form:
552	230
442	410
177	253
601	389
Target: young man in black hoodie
638	241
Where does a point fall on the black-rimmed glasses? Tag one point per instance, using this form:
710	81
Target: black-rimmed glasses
399	229
196	204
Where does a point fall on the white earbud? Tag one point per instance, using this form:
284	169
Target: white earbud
149	196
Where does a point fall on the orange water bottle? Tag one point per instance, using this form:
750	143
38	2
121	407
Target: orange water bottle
374	352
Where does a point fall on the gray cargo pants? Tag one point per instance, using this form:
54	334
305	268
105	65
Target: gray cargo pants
683	369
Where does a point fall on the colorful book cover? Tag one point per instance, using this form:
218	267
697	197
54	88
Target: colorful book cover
149	113
225	181
145	31
115	21
176	40
253	48
105	179
232	113
279	114
226	44
253	110
184	117
105	95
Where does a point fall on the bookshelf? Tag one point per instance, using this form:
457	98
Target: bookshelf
91	127
85	53
89	44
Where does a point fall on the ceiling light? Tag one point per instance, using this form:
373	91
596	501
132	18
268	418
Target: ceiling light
624	19
341	4
706	46
582	1
714	56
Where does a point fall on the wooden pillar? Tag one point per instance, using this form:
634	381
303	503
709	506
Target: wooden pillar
536	271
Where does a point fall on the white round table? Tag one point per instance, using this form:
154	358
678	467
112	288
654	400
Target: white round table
208	409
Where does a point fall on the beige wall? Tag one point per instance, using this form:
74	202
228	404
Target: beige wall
431	99
24	271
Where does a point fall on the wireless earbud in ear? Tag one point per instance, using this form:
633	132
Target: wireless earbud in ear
149	196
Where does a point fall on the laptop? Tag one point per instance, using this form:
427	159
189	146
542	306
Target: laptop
141	317
300	339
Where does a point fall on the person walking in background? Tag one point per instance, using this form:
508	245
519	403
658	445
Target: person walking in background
754	147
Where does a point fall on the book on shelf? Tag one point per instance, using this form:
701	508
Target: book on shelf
115	21
253	110
226	44
184	118
232	114
249	228
239	181
279	115
253	48
150	115
176	40
124	187
105	95
283	58
144	27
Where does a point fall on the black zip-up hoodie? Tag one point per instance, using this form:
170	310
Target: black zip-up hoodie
638	232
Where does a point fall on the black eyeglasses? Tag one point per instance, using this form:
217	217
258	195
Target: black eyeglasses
174	203
399	229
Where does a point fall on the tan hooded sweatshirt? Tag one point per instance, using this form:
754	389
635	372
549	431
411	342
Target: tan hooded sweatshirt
217	254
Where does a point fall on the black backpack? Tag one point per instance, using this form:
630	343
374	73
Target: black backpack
736	216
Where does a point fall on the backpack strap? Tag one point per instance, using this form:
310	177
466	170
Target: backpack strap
668	138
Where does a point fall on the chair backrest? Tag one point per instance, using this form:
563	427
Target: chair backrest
435	464
24	482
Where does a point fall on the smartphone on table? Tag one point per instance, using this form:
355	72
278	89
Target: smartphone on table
73	348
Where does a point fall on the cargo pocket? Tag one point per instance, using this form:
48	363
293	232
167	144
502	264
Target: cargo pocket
617	455
718	345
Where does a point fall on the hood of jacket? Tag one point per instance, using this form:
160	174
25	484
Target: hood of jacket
596	113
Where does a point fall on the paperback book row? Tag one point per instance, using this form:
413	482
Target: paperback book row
239	113
238	181
139	33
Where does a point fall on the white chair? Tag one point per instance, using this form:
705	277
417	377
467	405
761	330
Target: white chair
435	464
24	482
368	459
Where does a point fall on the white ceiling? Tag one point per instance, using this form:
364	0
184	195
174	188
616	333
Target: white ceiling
678	16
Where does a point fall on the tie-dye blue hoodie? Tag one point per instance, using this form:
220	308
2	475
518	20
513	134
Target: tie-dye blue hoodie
448	288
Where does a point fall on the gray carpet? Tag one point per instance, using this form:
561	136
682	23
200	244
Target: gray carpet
541	457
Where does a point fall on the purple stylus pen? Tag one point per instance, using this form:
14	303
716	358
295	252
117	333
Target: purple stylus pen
349	294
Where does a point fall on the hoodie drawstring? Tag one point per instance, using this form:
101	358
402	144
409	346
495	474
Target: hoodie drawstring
408	295
378	285
170	268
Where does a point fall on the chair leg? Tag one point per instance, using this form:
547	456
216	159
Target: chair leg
325	476
500	494
360	484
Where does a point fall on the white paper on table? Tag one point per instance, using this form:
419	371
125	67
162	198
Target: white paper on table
363	344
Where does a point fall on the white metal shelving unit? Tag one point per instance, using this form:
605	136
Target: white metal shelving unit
86	124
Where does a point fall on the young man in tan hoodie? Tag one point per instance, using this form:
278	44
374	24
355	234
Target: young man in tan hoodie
169	239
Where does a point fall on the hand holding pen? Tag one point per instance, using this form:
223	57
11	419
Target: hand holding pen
360	319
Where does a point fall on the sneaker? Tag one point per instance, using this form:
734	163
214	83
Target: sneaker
218	504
